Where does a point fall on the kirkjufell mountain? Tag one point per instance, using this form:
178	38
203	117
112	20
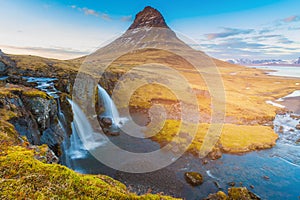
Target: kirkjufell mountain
149	32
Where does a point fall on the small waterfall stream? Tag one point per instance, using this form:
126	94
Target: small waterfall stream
83	136
110	109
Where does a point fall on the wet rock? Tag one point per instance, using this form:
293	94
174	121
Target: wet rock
205	162
252	186
231	184
298	141
43	110
53	137
217	185
293	116
217	196
193	178
281	129
106	122
108	127
3	68
281	112
242	193
266	178
215	154
298	127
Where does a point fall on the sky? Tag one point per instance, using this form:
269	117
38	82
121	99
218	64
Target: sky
225	29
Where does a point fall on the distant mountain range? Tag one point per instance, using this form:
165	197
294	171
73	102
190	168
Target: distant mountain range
245	61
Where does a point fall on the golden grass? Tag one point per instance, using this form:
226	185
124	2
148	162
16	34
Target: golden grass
233	138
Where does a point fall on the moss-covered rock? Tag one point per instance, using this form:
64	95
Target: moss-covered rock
193	178
217	196
33	113
241	194
234	194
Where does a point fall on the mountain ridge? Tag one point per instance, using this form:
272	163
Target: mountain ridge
245	61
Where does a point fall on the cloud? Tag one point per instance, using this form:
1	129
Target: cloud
284	40
105	16
228	32
265	30
92	12
55	52
126	18
87	11
293	18
254	46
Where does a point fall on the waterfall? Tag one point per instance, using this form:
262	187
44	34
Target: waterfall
83	137
110	109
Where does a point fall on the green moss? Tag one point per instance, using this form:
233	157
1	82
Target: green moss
7	114
22	176
36	93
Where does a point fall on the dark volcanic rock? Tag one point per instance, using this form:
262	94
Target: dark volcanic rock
5	63
36	118
149	17
3	68
108	127
193	178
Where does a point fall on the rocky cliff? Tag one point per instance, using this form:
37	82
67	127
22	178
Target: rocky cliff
33	114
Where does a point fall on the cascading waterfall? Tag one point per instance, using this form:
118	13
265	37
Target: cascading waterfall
83	137
110	109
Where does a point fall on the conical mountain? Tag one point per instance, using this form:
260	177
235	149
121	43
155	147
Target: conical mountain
148	31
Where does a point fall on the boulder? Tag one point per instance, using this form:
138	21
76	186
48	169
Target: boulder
215	154
242	193
193	178
3	68
108	127
281	129
217	196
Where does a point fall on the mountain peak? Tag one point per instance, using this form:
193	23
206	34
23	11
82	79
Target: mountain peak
149	17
